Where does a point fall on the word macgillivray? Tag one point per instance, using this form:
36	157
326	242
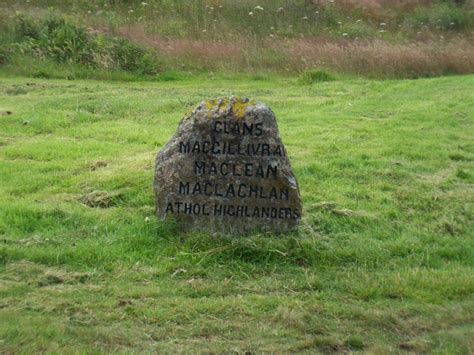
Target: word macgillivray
223	148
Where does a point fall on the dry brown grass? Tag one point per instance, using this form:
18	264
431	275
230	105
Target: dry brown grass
379	9
376	4
200	54
375	58
381	59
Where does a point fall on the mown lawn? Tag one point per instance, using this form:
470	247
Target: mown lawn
383	261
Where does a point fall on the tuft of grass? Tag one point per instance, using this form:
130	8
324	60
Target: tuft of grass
313	76
354	343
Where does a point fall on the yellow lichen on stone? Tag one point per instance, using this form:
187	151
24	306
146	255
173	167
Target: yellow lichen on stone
238	108
210	104
222	104
239	105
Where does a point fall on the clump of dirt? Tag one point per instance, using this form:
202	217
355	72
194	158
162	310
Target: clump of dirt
332	207
101	199
58	277
98	164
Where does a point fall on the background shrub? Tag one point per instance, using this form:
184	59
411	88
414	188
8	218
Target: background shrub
4	55
25	27
53	38
130	57
65	42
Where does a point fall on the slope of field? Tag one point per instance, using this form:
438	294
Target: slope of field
382	262
369	38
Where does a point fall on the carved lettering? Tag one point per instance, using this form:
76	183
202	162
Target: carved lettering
226	163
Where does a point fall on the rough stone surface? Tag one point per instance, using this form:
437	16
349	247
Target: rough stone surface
227	171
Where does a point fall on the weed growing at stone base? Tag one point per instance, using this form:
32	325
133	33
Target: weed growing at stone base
382	262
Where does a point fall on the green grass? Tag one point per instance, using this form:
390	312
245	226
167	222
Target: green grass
229	19
382	262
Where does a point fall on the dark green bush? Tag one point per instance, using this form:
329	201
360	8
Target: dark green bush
5	49
55	38
51	23
4	55
65	42
25	27
130	57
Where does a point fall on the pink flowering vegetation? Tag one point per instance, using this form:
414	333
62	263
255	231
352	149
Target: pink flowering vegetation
377	38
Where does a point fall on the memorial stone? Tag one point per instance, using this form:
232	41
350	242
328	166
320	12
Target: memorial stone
226	171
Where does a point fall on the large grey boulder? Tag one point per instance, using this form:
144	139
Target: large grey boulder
227	171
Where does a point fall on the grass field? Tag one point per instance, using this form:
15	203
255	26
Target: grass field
379	39
383	261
